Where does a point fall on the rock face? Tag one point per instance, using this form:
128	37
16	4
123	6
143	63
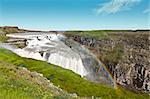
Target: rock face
58	50
126	55
135	63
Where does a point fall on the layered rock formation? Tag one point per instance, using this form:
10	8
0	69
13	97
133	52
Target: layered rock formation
126	55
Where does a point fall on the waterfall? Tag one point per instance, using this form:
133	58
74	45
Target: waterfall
63	52
97	72
50	48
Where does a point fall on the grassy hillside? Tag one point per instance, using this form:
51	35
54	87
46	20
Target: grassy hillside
14	87
65	79
19	83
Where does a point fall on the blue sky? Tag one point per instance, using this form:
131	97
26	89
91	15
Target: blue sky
75	14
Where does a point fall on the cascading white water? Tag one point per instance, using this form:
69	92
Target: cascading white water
60	51
49	47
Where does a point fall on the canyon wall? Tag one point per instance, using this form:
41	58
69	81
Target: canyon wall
125	54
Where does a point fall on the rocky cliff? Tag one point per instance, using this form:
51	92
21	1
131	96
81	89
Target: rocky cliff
125	53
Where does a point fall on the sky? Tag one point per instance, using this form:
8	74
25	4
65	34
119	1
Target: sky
75	14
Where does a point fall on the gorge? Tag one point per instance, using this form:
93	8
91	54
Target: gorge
82	63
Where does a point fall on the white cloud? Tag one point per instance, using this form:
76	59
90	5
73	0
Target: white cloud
115	6
146	10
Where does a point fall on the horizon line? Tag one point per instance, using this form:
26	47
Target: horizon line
90	29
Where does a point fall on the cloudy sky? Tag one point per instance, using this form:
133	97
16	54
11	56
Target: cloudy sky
75	14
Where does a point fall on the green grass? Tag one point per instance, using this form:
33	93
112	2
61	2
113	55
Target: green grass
114	55
96	34
68	80
14	87
89	34
18	84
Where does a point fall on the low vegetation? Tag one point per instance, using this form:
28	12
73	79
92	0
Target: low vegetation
19	83
65	79
114	55
96	34
89	34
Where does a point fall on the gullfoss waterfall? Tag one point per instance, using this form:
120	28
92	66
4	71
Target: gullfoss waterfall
58	50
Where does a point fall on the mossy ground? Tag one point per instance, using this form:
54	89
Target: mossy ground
66	79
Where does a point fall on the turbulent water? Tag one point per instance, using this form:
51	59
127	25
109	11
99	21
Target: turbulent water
56	49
